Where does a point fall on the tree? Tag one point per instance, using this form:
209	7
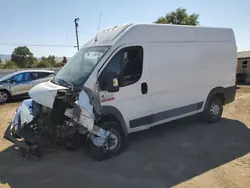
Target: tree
51	60
179	17
1	61
22	57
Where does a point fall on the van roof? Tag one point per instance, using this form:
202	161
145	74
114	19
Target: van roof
108	35
146	33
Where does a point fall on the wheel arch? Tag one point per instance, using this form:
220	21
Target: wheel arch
218	91
113	114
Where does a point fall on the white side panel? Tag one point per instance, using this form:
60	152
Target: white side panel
174	76
217	64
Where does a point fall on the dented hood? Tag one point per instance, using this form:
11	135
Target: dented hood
45	93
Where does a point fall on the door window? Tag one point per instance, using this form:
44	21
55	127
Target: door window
132	63
23	77
40	75
34	75
18	78
127	64
44	74
26	76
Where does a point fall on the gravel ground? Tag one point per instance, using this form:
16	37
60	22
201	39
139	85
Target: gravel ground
184	153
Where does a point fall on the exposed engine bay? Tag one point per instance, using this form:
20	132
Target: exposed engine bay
37	128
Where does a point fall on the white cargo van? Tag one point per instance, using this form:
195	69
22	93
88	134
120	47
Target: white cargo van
166	72
149	74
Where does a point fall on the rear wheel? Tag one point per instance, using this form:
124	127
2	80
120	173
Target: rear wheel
4	97
114	145
214	110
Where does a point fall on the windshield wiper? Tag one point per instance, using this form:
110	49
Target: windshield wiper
69	84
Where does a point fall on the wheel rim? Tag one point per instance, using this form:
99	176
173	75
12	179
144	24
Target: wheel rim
113	142
214	109
3	96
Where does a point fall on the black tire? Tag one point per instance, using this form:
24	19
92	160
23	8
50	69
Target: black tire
99	153
213	111
4	96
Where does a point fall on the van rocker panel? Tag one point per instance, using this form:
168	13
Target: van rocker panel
165	115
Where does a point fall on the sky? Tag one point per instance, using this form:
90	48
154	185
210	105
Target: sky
50	22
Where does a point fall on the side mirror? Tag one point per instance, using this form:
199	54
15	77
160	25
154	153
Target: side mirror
11	81
110	82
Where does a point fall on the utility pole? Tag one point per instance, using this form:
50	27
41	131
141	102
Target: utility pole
76	26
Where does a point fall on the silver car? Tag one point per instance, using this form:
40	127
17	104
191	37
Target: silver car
18	84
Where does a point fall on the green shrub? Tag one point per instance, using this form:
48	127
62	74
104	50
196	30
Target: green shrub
42	64
10	65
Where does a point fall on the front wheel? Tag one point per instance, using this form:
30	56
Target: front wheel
4	97
213	110
114	145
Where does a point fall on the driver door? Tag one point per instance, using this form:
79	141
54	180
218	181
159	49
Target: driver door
132	99
21	84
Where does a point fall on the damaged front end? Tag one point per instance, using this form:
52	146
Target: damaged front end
55	116
22	132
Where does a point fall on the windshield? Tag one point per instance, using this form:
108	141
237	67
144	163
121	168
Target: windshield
77	70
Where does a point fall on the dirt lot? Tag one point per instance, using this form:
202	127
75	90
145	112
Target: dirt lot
185	153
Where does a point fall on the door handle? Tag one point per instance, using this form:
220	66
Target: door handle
144	88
